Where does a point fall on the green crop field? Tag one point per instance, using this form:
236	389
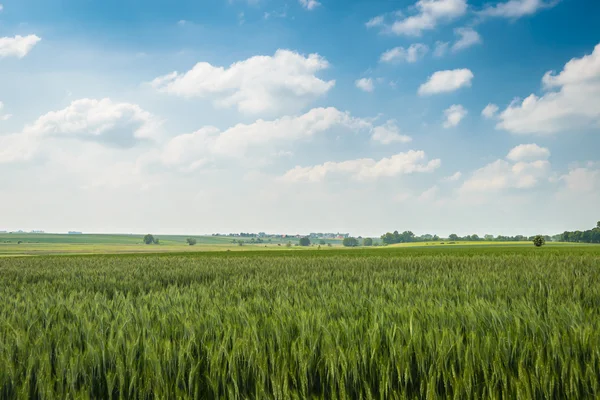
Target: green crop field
439	322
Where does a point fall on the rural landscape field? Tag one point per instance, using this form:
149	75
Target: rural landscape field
299	199
486	321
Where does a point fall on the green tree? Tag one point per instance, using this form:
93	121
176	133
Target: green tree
350	242
305	241
322	242
539	241
149	239
368	242
288	244
191	241
453	237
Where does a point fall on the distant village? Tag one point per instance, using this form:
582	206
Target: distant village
264	235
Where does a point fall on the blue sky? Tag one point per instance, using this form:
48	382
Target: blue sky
300	116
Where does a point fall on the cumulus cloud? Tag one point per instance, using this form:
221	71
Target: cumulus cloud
365	84
309	4
17	46
194	150
526	168
570	102
411	54
389	133
365	168
467	37
101	121
289	84
120	124
490	111
517	8
446	81
582	180
429	14
528	152
454	114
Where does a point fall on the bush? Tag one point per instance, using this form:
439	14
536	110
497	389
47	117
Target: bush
322	242
191	241
539	241
305	241
368	242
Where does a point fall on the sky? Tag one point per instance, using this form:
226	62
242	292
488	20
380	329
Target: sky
298	116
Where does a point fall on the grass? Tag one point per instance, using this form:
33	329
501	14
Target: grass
416	322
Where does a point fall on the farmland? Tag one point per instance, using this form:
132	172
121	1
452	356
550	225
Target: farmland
422	322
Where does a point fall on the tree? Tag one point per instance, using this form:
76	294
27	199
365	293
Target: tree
191	241
149	239
368	242
322	242
305	241
288	244
539	241
350	242
598	224
453	237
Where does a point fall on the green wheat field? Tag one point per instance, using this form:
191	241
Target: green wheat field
392	323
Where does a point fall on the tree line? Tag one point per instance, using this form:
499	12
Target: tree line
589	236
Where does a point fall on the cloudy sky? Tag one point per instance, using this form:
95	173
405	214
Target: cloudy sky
436	116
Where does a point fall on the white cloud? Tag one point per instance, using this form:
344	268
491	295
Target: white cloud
1	7
528	152
582	180
517	8
105	121
490	111
446	81
365	168
441	48
412	54
18	46
430	13
389	133
453	178
454	114
468	37
365	84
528	169
265	137
101	121
570	103
309	4
376	21
289	84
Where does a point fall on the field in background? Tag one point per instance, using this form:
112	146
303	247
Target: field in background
414	322
42	244
46	244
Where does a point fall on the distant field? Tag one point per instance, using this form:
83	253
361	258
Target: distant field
42	244
468	322
46	244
